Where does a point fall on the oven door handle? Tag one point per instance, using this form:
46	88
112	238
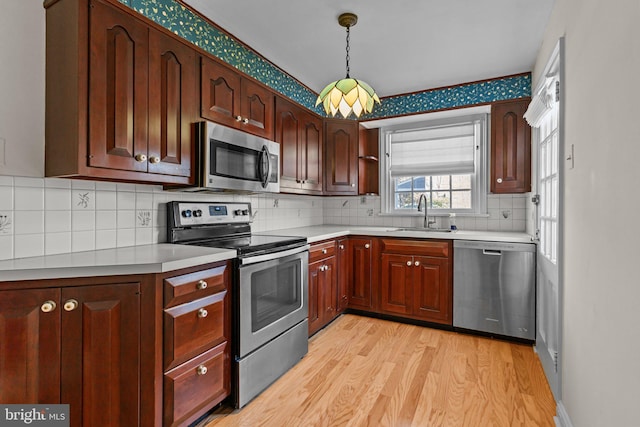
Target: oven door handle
264	175
272	256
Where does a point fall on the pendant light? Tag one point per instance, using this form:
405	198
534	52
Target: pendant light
347	95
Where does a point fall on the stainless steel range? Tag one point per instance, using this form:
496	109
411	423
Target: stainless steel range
269	292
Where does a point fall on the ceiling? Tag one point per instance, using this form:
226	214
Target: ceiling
397	46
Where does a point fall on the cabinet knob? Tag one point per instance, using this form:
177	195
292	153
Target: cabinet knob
48	306
70	305
324	251
202	313
141	158
202	285
417	263
367	246
245	120
353	185
238	118
341	247
201	370
499	180
154	159
409	263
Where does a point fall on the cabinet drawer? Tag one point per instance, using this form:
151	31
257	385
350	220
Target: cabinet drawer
194	387
437	248
185	288
322	250
194	327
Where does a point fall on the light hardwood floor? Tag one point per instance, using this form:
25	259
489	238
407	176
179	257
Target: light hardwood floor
369	372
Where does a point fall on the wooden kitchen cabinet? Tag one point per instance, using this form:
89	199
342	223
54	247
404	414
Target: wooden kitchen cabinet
197	349
368	165
232	100
510	148
120	95
416	279
300	135
322	285
341	157
344	271
74	345
357	276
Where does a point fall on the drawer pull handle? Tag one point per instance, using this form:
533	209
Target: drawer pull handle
417	263
154	159
367	246
324	251
202	285
141	158
238	118
202	370
48	306
70	305
202	313
409	263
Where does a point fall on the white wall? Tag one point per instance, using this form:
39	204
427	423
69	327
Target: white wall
22	82
601	343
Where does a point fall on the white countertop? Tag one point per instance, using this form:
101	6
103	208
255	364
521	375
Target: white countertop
317	233
142	259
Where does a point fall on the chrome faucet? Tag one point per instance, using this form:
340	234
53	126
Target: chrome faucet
427	223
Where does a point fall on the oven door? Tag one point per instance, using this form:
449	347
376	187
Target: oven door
273	296
235	160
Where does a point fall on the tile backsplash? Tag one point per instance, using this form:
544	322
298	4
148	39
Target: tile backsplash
46	216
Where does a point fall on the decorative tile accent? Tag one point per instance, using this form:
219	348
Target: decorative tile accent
83	199
5	223
144	218
186	24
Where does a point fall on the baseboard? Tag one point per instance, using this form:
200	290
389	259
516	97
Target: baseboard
562	417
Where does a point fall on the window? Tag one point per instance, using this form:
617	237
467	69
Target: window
443	160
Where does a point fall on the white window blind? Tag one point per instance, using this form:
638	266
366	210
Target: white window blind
433	151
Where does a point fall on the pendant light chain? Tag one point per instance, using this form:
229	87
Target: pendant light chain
348	50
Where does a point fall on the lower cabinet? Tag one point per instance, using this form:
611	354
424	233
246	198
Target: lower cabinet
322	285
138	350
416	279
75	345
355	272
197	333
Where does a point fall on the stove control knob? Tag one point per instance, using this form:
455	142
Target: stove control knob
245	212
197	213
237	212
186	213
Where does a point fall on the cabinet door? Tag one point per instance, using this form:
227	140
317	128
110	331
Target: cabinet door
396	283
341	157
256	109
29	346
311	153
315	296
172	106
288	136
118	60
510	148
329	285
343	275
359	280
220	93
101	354
432	298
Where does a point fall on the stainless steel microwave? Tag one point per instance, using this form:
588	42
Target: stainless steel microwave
232	160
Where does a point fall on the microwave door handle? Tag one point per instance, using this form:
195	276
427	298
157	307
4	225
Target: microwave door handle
265	175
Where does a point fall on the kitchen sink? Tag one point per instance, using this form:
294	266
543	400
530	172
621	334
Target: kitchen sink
425	230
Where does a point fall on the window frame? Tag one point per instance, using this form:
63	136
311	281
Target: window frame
479	184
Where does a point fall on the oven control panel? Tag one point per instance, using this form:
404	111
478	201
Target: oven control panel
186	214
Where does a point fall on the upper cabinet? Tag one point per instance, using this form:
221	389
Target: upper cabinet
122	110
368	167
235	101
299	134
341	153
510	148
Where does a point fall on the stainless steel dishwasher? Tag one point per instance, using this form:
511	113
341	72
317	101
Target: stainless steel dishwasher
494	288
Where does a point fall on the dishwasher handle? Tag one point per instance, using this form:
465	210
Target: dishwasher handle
494	252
